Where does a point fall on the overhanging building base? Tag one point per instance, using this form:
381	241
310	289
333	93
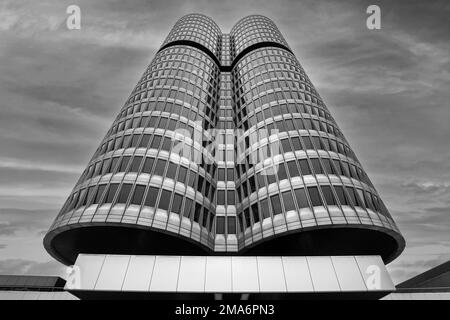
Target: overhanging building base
102	276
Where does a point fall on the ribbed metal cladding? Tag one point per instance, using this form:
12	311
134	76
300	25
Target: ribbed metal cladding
280	178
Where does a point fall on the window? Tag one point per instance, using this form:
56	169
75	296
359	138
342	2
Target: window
328	195
231	225
148	164
293	169
315	196
124	193
221	174
138	195
230	197
327	165
152	195
316	165
135	164
144	141
302	200
111	193
160	166
113	165
341	196
265	208
353	196
187	208
172	170
276	204
288	201
220	225
101	188
89	195
230	174
124	163
164	201
304	167
281	171
176	206
182	174
221	197
81	198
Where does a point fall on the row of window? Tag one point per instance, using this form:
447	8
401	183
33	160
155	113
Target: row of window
140	164
297	168
153	197
297	143
308	198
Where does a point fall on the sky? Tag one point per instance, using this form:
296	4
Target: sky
388	90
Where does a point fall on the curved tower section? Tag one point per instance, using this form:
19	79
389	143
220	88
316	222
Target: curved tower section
301	189
279	179
150	183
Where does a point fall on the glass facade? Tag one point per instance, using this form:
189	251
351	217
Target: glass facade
224	142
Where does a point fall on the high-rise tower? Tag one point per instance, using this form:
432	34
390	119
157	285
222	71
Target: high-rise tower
224	147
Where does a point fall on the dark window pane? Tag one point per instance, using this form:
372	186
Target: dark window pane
164	201
276	204
315	196
144	142
221	174
296	143
111	193
172	170
308	143
98	195
316	165
265	208
124	193
230	197
353	196
281	171
160	165
220	197
304	167
293	169
152	195
341	196
231	225
176	206
124	163
329	196
138	195
89	196
106	165
81	198
135	164
255	212
327	165
148	164
302	200
230	174
288	201
220	225
182	174
187	207
113	165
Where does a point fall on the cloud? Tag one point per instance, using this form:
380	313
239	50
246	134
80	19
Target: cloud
29	267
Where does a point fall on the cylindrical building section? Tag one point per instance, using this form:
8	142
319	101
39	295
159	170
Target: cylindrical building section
291	186
301	190
151	181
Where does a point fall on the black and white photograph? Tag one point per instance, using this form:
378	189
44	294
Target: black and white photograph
224	156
